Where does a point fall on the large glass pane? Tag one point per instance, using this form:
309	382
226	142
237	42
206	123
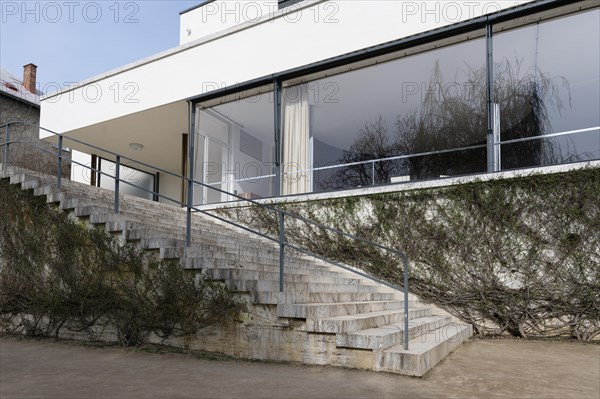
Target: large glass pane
216	171
133	181
241	161
366	127
547	81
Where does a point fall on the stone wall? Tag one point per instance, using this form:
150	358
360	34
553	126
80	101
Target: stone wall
24	155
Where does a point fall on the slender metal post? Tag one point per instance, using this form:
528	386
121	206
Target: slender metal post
6	145
59	163
117	181
492	153
497	138
373	171
278	142
191	166
281	251
406	335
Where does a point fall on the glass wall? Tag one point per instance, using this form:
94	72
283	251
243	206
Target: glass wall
134	181
353	129
235	150
415	117
547	81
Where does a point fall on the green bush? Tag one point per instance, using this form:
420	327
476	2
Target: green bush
57	274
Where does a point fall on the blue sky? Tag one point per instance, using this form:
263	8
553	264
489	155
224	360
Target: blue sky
72	40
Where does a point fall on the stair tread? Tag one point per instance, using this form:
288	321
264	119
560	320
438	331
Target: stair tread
368	315
317	304
428	341
397	327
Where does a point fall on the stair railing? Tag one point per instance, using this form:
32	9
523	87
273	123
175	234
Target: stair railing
282	214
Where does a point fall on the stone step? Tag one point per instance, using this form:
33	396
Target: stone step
320	310
128	204
357	322
391	334
45	190
241	262
290	276
424	352
96	216
218	249
275	298
273	286
250	268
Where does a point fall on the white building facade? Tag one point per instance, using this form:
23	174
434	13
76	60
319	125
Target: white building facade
264	100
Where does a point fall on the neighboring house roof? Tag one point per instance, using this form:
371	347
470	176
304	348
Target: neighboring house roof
13	86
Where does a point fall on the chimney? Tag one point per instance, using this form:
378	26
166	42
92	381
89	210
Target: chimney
29	77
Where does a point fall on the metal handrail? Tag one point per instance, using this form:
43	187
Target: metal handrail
282	213
416	155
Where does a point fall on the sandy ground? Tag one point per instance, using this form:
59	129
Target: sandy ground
478	369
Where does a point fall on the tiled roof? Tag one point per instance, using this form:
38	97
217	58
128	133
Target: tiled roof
14	87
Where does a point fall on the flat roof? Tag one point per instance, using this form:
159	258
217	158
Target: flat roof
196	6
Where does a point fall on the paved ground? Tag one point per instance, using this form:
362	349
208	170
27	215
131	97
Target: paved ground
481	369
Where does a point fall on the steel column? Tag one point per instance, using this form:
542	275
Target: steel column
191	166
6	145
406	334
278	141
492	153
117	182
281	251
59	162
373	171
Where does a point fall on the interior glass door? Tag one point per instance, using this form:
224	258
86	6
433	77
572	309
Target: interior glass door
215	170
212	159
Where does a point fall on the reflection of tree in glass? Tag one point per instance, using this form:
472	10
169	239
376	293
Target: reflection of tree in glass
372	142
454	115
525	106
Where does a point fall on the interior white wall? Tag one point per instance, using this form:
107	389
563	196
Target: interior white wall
169	186
300	36
80	173
246	166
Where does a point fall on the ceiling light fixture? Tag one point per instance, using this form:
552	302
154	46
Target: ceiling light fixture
136	146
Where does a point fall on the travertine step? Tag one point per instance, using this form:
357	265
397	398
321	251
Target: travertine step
300	275
391	334
321	297
258	285
356	322
211	260
320	310
424	351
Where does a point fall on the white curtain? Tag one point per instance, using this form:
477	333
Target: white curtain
296	135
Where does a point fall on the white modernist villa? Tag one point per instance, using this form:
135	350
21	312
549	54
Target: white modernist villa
276	98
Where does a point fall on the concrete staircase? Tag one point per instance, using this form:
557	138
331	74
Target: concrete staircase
326	315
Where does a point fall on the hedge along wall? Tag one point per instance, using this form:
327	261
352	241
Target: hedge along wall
518	256
59	275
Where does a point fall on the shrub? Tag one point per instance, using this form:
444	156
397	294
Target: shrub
57	274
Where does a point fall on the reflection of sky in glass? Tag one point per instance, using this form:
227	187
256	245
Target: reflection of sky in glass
390	89
567	47
254	114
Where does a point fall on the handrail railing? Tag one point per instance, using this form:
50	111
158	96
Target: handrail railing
281	213
372	162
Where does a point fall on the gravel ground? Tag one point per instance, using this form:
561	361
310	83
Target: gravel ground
502	368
